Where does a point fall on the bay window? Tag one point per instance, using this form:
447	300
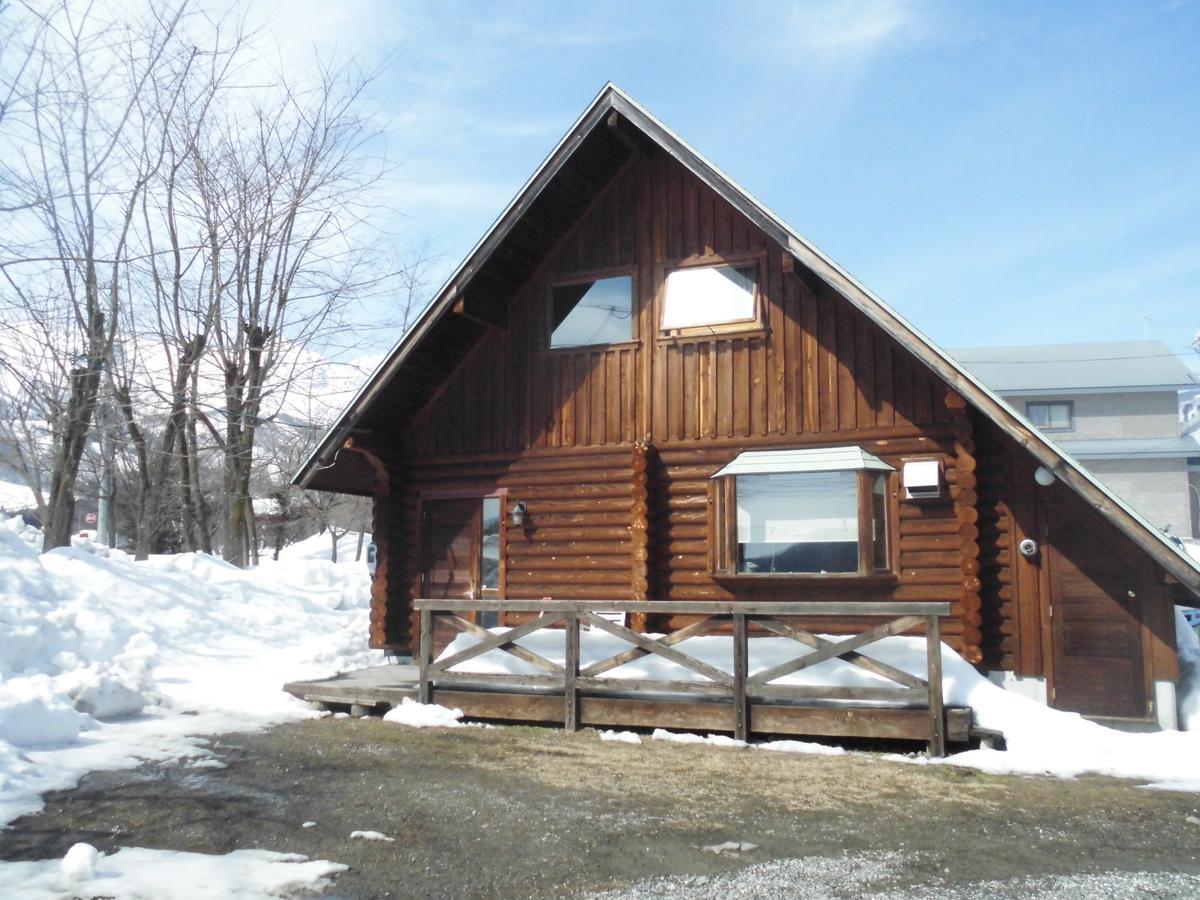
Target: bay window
821	512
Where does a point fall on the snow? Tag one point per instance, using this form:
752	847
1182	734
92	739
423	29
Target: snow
318	547
15	496
687	737
1039	740
1188	645
621	737
141	874
371	836
424	715
108	663
787	746
79	864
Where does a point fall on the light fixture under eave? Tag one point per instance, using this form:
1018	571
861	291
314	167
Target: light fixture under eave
518	513
1044	476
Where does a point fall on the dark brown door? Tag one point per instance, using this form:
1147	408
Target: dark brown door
1095	615
451	549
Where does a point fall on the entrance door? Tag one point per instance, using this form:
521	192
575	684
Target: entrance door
451	555
461	555
1095	615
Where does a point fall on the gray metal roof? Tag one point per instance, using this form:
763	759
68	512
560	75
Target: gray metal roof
1133	448
812	459
1063	368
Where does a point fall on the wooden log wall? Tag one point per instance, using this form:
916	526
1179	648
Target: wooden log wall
999	612
577	541
1014	592
927	542
817	372
966	512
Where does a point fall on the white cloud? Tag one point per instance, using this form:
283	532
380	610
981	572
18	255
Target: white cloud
851	28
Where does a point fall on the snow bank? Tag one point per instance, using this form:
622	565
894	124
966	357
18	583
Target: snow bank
107	663
1040	740
140	874
424	715
320	547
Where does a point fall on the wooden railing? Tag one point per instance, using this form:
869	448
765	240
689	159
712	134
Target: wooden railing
737	686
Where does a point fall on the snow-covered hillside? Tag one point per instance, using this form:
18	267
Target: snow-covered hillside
105	662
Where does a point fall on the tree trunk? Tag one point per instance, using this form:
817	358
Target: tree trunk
60	519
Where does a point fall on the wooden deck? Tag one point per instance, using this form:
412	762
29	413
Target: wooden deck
737	702
389	685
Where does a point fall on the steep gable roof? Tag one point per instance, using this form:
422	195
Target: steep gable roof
588	154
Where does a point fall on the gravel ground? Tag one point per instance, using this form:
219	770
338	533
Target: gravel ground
529	812
867	876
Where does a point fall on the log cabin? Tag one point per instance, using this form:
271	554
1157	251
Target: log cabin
641	385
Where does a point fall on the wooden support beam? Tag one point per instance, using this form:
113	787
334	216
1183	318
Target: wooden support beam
423	686
741	666
488	318
937	719
571	674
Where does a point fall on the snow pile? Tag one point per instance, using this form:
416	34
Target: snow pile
1040	740
107	663
371	836
1188	645
815	749
687	737
132	873
424	715
621	737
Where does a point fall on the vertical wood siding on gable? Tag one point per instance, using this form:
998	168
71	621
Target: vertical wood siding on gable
818	366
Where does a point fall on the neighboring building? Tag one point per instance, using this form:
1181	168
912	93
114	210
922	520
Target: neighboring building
643	385
1114	406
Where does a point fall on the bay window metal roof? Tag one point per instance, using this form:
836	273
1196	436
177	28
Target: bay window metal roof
812	459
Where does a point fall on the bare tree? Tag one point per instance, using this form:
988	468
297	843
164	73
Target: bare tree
172	326
82	158
190	244
279	185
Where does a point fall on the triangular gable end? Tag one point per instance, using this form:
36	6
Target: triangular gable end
615	110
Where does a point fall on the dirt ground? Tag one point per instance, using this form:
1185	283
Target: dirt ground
529	812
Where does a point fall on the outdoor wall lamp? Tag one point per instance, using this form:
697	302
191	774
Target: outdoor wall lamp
518	513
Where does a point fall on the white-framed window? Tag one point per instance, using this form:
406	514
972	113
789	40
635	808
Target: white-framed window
1051	415
829	517
711	298
592	311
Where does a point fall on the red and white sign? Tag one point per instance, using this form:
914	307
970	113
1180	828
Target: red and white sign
90	518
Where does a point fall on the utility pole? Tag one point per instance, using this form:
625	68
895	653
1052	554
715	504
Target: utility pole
106	521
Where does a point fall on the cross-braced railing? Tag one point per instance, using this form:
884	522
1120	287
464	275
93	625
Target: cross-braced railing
738	686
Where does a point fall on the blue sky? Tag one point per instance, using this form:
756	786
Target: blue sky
998	172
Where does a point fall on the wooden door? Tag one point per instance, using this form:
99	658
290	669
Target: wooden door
1095	620
450	554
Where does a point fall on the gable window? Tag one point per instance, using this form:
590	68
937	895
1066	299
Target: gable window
803	513
586	313
711	299
1057	415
